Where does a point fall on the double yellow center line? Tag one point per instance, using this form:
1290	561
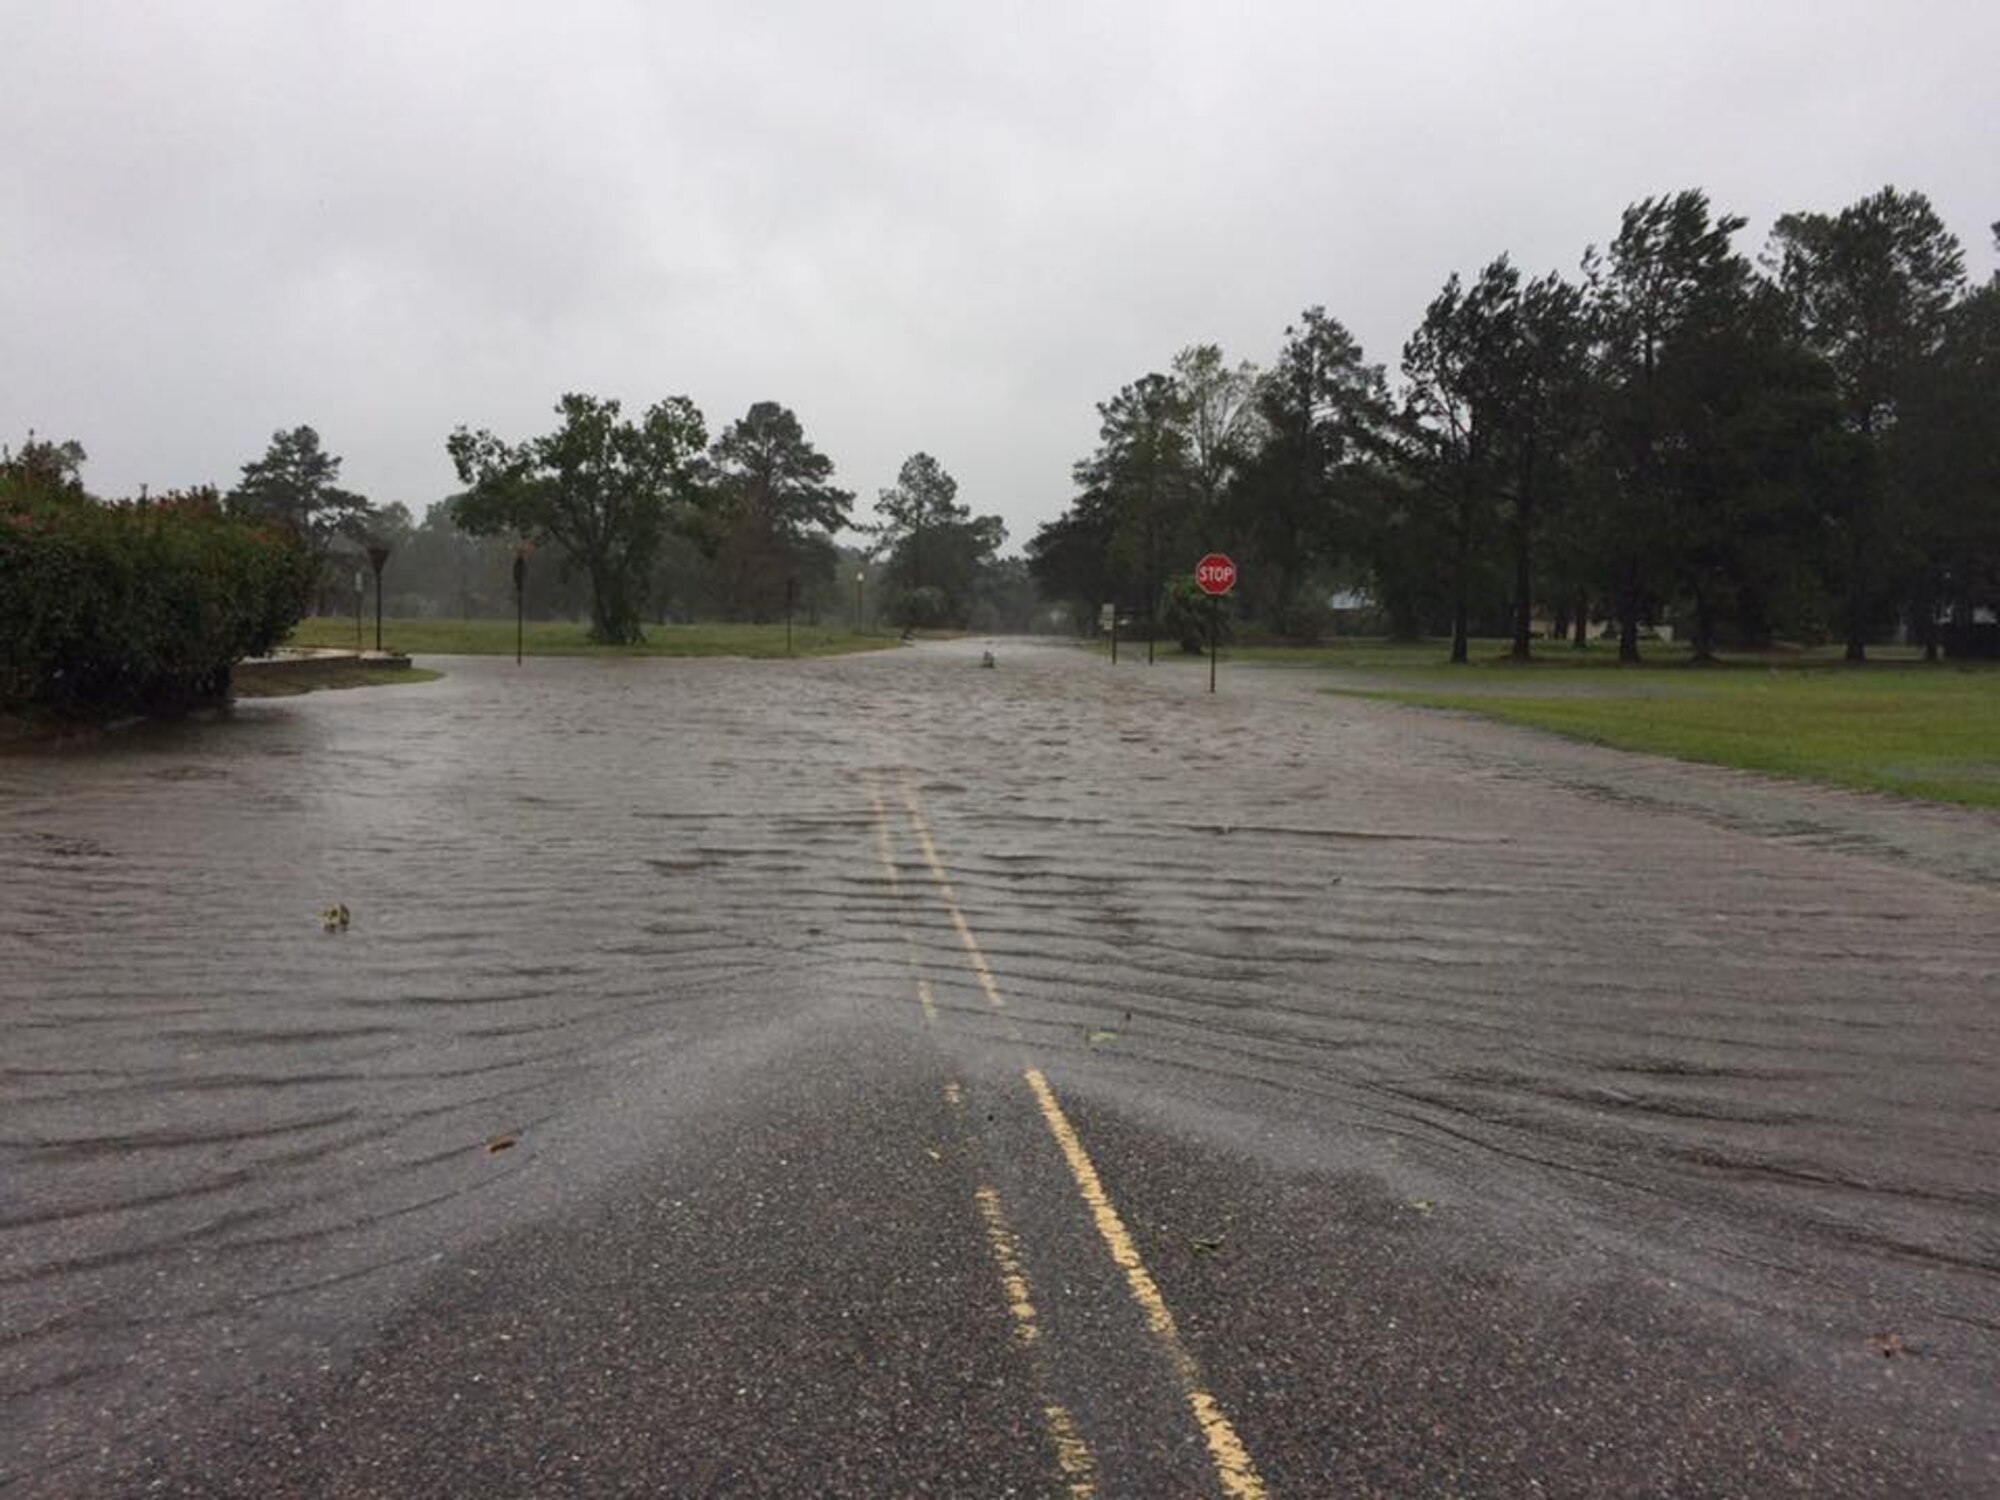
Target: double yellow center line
1232	1462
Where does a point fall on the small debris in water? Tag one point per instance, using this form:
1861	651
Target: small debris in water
496	1144
1894	1346
1094	1038
335	918
986	659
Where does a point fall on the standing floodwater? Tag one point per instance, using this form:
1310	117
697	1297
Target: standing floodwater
1672	1057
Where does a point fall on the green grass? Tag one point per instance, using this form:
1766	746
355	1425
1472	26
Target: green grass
1374	654
560	638
1898	726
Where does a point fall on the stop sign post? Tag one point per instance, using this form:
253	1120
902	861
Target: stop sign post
1215	576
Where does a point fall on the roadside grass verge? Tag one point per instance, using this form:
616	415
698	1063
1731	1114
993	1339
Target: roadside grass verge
564	638
1929	732
1374	653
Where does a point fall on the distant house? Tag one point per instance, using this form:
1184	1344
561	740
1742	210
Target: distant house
1353	611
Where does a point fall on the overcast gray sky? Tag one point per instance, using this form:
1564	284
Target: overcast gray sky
921	226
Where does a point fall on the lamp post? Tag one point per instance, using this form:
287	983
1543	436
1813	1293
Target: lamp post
377	556
520	597
860	579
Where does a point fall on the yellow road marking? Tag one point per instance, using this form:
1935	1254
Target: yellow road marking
882	850
1013	1279
974	954
1233	1465
1232	1461
1073	1455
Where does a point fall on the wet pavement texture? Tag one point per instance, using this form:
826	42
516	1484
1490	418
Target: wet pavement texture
1496	1115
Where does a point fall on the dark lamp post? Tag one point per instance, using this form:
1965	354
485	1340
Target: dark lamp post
378	555
520	596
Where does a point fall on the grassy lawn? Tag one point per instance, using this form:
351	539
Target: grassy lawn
1891	726
560	638
1374	654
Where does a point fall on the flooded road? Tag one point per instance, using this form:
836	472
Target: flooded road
737	1077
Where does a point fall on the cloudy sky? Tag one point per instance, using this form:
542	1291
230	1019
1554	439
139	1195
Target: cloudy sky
928	226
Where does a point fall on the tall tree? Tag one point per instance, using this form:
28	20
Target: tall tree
1325	416
1754	429
1218	408
1669	281
1871	288
1493	376
1546	383
1070	557
1141	472
296	485
1945	451
924	497
777	505
600	487
961	561
1452	411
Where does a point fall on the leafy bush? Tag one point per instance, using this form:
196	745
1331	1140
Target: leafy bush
134	604
1190	613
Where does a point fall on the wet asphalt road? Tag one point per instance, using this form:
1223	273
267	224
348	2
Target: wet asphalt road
884	1077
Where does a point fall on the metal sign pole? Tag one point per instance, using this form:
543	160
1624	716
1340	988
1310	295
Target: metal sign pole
520	602
378	557
1214	634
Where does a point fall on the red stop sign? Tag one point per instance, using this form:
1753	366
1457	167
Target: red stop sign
1215	574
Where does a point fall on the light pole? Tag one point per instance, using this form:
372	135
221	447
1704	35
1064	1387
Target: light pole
378	556
520	596
860	579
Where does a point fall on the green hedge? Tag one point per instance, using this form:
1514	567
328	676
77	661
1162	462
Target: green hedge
136	604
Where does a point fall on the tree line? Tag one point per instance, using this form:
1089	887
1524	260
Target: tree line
629	520
1802	447
635	519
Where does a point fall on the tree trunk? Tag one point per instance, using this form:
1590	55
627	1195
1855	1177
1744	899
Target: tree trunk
614	614
1628	622
1560	624
1704	628
1857	602
1582	639
1461	567
1524	604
